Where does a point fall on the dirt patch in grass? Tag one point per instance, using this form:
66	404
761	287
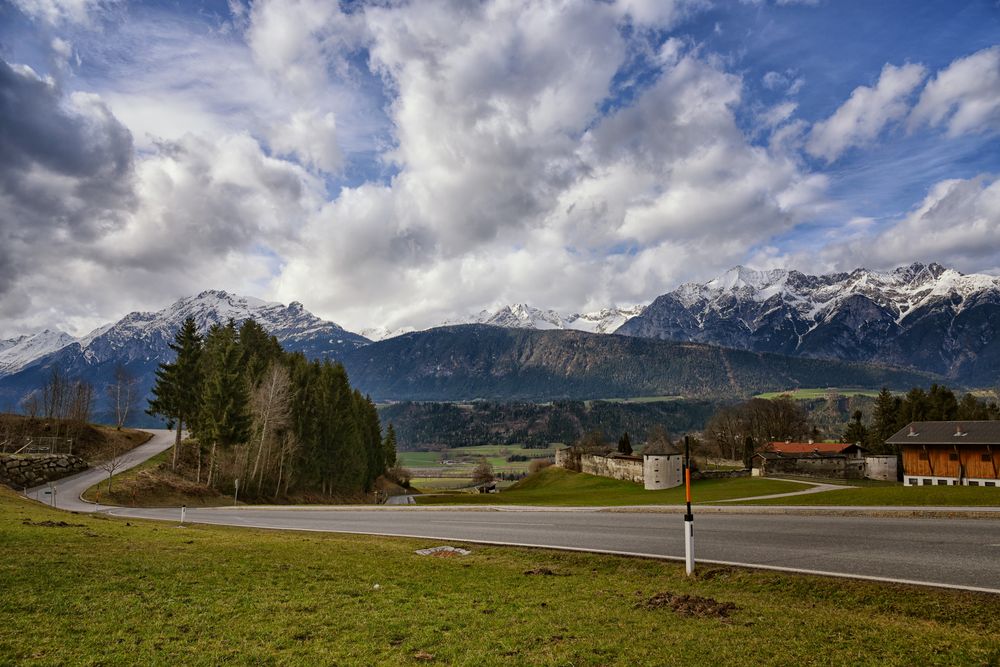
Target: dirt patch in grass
691	605
52	524
545	571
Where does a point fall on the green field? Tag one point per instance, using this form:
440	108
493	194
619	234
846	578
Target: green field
639	399
556	486
812	394
465	458
897	495
88	590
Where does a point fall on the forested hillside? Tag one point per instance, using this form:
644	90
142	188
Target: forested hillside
430	425
483	362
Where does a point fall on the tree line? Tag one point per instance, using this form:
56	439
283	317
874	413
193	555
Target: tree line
275	421
737	431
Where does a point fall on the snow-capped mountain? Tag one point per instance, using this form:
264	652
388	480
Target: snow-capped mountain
523	316
921	316
147	334
140	342
16	353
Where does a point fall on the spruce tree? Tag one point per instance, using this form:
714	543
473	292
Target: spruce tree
177	392
856	431
885	420
389	447
225	416
625	445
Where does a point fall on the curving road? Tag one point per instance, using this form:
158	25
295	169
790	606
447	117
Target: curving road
960	553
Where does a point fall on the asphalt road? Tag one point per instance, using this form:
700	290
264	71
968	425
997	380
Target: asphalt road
962	553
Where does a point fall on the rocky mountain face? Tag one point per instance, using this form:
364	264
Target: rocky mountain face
920	316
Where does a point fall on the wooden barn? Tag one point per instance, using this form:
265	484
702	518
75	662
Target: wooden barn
950	453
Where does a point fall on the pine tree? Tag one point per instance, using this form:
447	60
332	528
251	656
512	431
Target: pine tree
625	445
177	392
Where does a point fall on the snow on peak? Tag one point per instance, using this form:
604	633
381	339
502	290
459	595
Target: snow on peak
17	353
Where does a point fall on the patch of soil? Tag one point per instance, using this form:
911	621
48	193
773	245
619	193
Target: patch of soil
52	524
715	573
691	605
547	572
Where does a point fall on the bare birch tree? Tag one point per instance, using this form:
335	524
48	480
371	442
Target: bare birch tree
123	394
271	407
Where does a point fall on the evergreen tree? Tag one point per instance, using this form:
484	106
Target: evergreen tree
625	445
389	447
856	431
225	417
177	390
885	420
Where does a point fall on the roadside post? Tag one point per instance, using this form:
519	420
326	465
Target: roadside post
688	517
237	493
183	507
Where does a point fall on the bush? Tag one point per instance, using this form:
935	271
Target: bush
539	464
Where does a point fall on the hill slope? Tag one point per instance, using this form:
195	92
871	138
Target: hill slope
482	362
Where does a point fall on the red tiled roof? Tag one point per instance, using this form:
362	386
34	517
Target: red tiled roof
809	447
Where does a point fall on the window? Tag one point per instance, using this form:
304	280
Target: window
989	483
912	481
973	483
928	482
986	457
942	482
953	456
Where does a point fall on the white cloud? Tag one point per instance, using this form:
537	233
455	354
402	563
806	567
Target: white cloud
861	119
965	96
513	186
956	224
312	137
58	12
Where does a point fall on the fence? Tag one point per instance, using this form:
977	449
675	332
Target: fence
36	445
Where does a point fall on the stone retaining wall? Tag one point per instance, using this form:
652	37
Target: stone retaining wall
27	470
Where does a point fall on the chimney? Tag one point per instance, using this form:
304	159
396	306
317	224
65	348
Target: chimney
913	431
958	431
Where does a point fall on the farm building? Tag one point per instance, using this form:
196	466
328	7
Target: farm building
789	448
950	453
822	459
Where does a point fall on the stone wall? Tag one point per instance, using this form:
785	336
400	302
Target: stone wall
628	470
27	470
836	467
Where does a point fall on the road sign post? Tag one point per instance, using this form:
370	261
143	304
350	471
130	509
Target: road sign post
688	517
236	495
183	507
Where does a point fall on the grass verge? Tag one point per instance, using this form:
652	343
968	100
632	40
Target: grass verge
557	486
151	484
926	496
82	589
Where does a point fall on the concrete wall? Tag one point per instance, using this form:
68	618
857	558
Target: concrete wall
881	467
26	470
662	472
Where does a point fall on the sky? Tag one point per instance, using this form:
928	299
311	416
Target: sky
395	164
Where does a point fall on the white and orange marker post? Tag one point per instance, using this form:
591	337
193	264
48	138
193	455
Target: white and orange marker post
688	517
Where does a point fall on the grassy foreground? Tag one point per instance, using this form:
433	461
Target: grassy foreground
93	590
557	486
929	496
